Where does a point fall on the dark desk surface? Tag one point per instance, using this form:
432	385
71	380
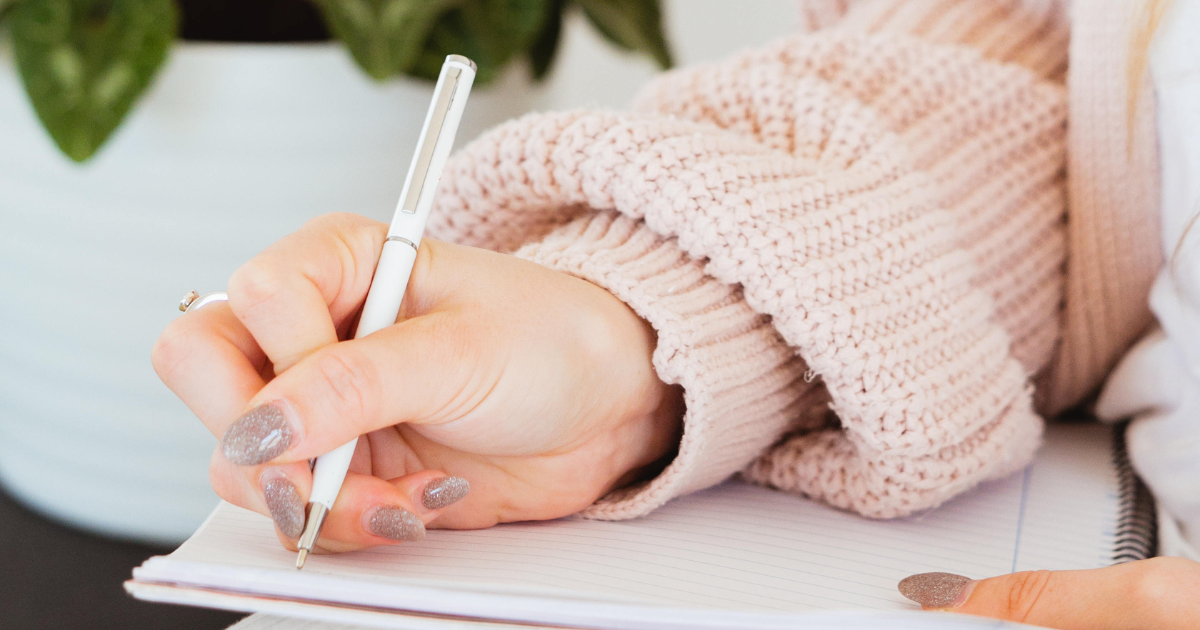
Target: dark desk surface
54	577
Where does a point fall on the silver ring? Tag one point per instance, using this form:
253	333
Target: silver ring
194	300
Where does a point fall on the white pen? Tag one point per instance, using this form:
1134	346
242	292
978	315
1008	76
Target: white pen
396	263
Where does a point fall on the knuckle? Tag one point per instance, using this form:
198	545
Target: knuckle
349	240
349	380
1175	567
253	284
346	228
1024	590
600	337
1155	580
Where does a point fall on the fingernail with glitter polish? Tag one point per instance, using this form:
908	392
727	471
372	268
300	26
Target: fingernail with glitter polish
937	590
395	523
260	435
444	491
284	502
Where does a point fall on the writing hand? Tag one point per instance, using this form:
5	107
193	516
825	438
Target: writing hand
534	386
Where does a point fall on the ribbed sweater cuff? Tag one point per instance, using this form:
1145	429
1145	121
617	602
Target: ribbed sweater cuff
742	383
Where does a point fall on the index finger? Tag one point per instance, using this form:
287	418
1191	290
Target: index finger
298	294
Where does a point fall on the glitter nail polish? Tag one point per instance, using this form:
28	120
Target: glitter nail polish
396	524
259	436
445	491
285	505
934	590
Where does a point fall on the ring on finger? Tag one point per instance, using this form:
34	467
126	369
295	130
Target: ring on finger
193	300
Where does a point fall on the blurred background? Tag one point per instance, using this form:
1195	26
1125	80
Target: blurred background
149	147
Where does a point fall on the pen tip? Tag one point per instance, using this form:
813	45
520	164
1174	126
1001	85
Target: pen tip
312	529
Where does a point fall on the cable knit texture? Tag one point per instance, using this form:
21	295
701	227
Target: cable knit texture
1113	187
866	219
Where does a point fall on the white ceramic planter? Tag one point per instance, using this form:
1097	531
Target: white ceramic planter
235	146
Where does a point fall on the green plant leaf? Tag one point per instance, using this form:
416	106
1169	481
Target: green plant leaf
450	36
489	32
385	37
632	25
85	62
5	7
545	46
505	27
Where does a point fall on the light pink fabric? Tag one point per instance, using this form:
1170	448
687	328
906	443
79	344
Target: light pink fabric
855	221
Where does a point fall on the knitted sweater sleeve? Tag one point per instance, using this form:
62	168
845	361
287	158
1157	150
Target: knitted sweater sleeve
864	224
743	385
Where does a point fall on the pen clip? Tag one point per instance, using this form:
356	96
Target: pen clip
436	121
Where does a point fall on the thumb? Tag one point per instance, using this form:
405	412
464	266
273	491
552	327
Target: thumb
1157	593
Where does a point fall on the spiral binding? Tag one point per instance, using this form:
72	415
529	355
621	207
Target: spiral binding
1137	524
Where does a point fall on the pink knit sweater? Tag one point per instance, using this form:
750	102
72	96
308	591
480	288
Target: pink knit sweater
850	242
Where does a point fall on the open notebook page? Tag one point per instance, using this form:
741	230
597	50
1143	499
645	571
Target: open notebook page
732	549
810	621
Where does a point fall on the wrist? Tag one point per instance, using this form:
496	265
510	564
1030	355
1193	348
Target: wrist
667	426
655	419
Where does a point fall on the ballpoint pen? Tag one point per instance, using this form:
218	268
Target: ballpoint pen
395	264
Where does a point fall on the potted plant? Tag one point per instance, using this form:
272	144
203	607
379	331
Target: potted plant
148	147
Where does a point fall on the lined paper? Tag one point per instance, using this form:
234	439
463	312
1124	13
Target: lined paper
836	621
734	548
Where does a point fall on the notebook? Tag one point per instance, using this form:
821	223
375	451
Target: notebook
734	556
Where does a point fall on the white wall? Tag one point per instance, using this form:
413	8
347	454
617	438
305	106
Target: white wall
589	72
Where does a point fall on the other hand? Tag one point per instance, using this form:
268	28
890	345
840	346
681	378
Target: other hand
1159	594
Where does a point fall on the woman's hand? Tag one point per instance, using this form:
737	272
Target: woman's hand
533	386
1160	593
